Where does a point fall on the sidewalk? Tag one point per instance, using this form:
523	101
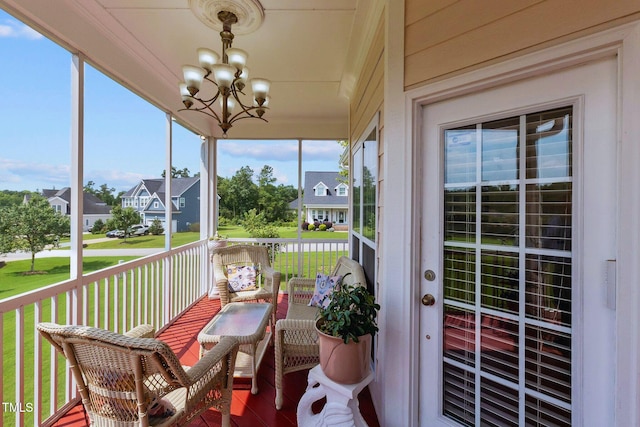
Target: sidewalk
62	253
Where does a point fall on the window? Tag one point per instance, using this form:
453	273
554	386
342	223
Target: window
321	189
341	190
182	202
364	179
156	205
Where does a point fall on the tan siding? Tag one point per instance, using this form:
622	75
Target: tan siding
416	10
453	21
369	93
436	46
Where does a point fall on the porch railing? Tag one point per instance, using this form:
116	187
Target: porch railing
35	382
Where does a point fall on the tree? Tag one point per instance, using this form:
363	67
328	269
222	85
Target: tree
104	193
175	173
267	201
156	227
125	218
31	227
243	193
343	173
98	227
12	198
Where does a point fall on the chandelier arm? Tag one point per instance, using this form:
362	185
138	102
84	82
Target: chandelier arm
208	102
246	114
205	109
206	113
235	118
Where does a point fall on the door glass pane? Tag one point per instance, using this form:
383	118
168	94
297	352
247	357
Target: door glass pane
460	211
500	150
520	320
460	159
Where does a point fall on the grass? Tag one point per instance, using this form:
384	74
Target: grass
237	231
179	239
13	281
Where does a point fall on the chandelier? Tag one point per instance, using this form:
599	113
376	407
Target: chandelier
229	78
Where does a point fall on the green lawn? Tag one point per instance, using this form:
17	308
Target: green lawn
13	281
179	239
285	233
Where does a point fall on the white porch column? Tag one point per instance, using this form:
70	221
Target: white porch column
75	314
168	211
206	184
395	389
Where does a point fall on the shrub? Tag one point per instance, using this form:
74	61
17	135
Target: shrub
194	227
305	225
328	224
110	224
98	227
322	227
311	227
316	224
156	227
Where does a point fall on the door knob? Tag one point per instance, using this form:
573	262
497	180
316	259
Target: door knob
428	300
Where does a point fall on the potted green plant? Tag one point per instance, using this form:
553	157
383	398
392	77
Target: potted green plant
217	241
345	328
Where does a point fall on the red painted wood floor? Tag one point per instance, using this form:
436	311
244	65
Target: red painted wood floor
246	409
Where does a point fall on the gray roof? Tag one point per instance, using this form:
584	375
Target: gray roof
156	185
91	204
330	179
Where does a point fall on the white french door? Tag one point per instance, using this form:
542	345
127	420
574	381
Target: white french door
518	228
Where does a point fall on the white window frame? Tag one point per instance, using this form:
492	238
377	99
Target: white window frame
320	189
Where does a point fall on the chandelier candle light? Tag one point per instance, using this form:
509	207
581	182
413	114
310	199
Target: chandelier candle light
230	78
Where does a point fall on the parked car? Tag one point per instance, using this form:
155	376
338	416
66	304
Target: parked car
115	233
138	230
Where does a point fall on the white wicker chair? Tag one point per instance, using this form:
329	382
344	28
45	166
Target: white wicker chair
256	255
120	377
296	340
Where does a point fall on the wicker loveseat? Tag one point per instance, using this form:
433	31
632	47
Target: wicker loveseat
124	379
240	255
296	340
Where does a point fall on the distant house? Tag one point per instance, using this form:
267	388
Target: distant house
148	197
325	198
93	208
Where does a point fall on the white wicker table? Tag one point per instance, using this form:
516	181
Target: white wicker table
247	322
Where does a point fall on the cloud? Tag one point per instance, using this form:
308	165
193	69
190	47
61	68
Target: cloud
263	151
21	175
14	29
121	181
281	150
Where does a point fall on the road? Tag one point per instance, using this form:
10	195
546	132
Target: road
14	256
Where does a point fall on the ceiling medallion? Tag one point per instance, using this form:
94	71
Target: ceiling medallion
250	13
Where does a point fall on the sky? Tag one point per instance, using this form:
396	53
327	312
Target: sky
124	139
